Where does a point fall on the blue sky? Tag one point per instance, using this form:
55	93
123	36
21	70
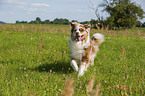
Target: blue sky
27	10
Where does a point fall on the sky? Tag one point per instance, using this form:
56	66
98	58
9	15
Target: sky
27	10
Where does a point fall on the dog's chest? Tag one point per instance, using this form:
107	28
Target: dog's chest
76	52
77	49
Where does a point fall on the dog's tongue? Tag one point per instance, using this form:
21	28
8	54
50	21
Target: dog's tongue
80	39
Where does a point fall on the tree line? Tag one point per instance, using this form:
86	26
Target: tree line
39	21
61	21
123	14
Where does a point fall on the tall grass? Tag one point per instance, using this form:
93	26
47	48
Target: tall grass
35	61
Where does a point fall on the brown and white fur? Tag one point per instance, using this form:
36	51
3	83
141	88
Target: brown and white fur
83	50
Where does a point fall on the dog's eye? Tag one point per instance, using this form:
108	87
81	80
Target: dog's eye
81	29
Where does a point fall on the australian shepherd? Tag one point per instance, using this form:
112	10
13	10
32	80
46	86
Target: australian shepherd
83	50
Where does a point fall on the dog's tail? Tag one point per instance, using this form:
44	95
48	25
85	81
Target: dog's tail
98	39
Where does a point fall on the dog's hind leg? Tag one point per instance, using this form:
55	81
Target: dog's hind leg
74	65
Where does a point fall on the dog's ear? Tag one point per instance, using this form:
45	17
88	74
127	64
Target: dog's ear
73	24
87	26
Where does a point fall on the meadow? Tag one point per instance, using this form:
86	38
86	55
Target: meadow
35	61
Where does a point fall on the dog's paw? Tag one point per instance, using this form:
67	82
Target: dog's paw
80	74
92	64
74	65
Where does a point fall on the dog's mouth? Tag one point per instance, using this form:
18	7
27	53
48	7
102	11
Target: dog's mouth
80	38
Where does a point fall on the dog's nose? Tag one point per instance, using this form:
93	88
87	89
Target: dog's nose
77	33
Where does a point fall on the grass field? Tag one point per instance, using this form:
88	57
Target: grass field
35	61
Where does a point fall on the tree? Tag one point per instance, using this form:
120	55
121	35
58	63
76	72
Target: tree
38	20
74	21
21	22
32	22
138	24
97	13
45	22
85	22
17	21
123	13
61	21
143	25
1	22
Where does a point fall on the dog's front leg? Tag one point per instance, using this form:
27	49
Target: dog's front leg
92	60
84	63
74	65
82	69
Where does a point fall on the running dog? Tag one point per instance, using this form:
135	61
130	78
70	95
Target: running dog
83	50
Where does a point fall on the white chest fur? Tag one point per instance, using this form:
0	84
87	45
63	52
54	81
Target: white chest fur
77	48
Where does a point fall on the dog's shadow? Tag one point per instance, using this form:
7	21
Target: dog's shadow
55	67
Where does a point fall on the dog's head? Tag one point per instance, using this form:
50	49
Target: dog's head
80	32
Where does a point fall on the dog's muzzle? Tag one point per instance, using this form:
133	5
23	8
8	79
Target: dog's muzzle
79	37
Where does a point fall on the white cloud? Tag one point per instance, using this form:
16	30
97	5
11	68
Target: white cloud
40	4
10	1
30	10
22	3
15	2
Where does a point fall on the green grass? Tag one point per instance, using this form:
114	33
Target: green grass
30	66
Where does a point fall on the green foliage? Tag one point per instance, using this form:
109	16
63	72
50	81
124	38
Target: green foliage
23	22
123	13
1	22
38	21
45	22
143	25
74	21
139	24
61	21
99	23
32	22
85	22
